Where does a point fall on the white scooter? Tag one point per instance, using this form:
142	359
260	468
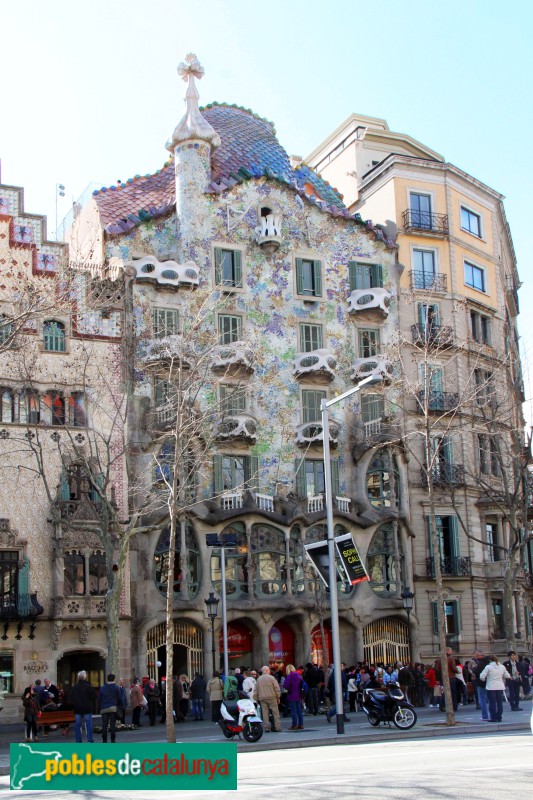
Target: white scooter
240	716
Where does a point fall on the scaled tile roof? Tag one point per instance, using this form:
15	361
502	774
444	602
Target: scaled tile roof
249	150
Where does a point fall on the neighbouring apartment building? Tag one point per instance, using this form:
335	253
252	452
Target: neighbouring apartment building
458	309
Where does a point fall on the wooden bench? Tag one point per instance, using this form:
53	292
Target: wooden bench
61	718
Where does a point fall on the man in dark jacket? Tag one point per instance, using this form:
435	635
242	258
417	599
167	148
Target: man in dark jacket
110	700
198	687
478	665
331	693
311	676
83	697
515	668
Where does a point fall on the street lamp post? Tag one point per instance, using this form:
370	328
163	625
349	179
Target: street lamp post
223	541
212	612
324	406
407	599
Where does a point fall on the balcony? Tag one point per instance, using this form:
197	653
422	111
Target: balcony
19	607
444	474
512	292
164	416
230	501
438	336
436	282
312	433
439	402
425	222
236	427
450	567
167	349
372	366
234	357
343	504
317	364
166	273
378	431
376	298
264	502
315	504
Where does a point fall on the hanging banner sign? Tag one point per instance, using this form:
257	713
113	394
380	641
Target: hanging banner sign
351	560
317	553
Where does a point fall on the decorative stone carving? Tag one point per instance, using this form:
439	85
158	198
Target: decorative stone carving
76	540
375	366
166	273
364	299
312	433
268	232
85	631
56	634
314	363
237	426
7	536
236	354
193	125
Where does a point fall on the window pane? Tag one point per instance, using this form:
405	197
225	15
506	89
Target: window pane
54	336
308	286
310	338
368	343
229	328
7	406
227	267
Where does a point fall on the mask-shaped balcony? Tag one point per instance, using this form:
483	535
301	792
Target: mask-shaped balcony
166	349
312	433
316	363
237	427
166	273
369	299
372	366
234	357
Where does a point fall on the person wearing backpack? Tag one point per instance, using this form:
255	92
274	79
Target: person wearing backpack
478	665
231	687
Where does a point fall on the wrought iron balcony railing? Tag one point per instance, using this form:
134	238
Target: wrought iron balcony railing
425	221
437	401
431	282
432	335
21	606
451	566
445	475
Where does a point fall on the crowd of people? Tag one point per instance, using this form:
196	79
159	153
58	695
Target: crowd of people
280	690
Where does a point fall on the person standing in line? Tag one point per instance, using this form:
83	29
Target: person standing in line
109	703
215	687
248	684
153	697
136	700
83	698
293	687
515	670
198	687
495	676
451	667
185	694
480	662
268	693
32	711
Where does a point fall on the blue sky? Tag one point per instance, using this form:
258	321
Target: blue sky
91	91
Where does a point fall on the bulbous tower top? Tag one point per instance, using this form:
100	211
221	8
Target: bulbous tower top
193	125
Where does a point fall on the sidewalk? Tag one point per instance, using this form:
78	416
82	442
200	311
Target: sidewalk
317	731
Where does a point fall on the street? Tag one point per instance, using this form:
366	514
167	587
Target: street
493	766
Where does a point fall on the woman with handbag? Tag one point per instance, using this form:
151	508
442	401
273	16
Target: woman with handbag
31	713
495	676
215	687
186	694
138	701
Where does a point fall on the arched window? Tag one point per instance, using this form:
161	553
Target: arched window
378	480
268	548
53	408
165	461
78	413
236	562
192	566
7	400
54	337
381	562
97	573
74	573
319	533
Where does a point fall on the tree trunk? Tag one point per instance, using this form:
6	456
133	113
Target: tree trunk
168	699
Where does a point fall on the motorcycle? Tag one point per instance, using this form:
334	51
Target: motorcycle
240	716
389	704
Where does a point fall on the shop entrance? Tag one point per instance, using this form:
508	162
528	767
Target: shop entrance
75	661
188	649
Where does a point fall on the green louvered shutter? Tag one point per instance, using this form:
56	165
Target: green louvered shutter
299	276
253	477
334	477
377	275
317	278
24	589
218	265
454	537
218	473
237	267
435	615
64	486
299	481
352	273
457	615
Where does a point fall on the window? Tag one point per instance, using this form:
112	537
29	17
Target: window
310	477
489	463
485	390
74	573
32	409
53	408
432	380
441	457
494	552
6	329
480	327
162	392
382	481
308	277
475	277
452	620
368	343
54	337
365	276
383	561
428	317
372	407
448	539
236	562
235	472
311	400
186	566
497	619
424	269
78	412
310	337
165	322
9	589
97	573
7	405
232	399
229	328
270	560
420	205
7	671
228	267
470	222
